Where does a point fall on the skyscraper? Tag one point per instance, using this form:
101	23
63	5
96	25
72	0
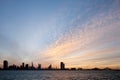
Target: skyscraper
26	66
62	66
39	66
23	65
32	66
50	67
5	64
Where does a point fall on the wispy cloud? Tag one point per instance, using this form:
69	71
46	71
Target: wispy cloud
98	32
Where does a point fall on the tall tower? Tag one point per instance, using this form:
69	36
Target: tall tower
32	66
62	66
23	65
5	64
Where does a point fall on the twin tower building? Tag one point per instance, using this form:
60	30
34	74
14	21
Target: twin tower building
7	67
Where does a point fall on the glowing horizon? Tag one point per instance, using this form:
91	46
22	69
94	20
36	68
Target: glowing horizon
79	33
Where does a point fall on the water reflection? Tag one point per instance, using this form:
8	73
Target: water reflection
59	75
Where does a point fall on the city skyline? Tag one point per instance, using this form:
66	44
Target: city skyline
25	66
81	33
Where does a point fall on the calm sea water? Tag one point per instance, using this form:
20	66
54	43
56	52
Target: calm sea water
59	75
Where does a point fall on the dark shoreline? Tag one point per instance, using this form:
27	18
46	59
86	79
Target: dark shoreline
62	70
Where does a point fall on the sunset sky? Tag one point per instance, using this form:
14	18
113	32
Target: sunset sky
80	33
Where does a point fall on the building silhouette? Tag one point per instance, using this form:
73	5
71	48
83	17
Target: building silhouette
5	64
39	66
62	66
23	65
12	67
26	66
50	67
32	66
